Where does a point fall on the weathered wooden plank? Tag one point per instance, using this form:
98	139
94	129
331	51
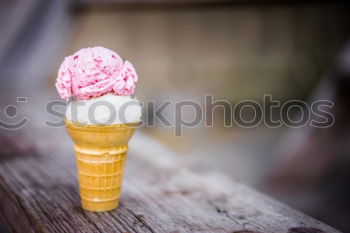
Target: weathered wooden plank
39	193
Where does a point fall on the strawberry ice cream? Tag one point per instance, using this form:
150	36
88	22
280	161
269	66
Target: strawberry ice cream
94	72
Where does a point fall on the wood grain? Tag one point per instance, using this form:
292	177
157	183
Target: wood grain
39	192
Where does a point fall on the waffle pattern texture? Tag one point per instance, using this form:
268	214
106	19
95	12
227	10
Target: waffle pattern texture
101	153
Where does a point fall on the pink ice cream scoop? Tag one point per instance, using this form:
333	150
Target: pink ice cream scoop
93	72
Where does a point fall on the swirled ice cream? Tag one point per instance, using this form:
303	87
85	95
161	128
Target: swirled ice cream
98	85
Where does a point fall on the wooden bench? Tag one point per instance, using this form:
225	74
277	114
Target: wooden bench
39	192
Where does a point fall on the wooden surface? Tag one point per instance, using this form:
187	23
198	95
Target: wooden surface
39	193
183	2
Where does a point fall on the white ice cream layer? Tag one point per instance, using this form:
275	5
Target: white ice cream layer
106	109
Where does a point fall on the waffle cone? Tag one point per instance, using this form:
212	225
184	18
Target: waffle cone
100	152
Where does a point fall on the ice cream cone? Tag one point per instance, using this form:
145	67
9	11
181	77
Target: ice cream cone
100	152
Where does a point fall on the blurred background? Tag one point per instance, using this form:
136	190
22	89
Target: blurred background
235	50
